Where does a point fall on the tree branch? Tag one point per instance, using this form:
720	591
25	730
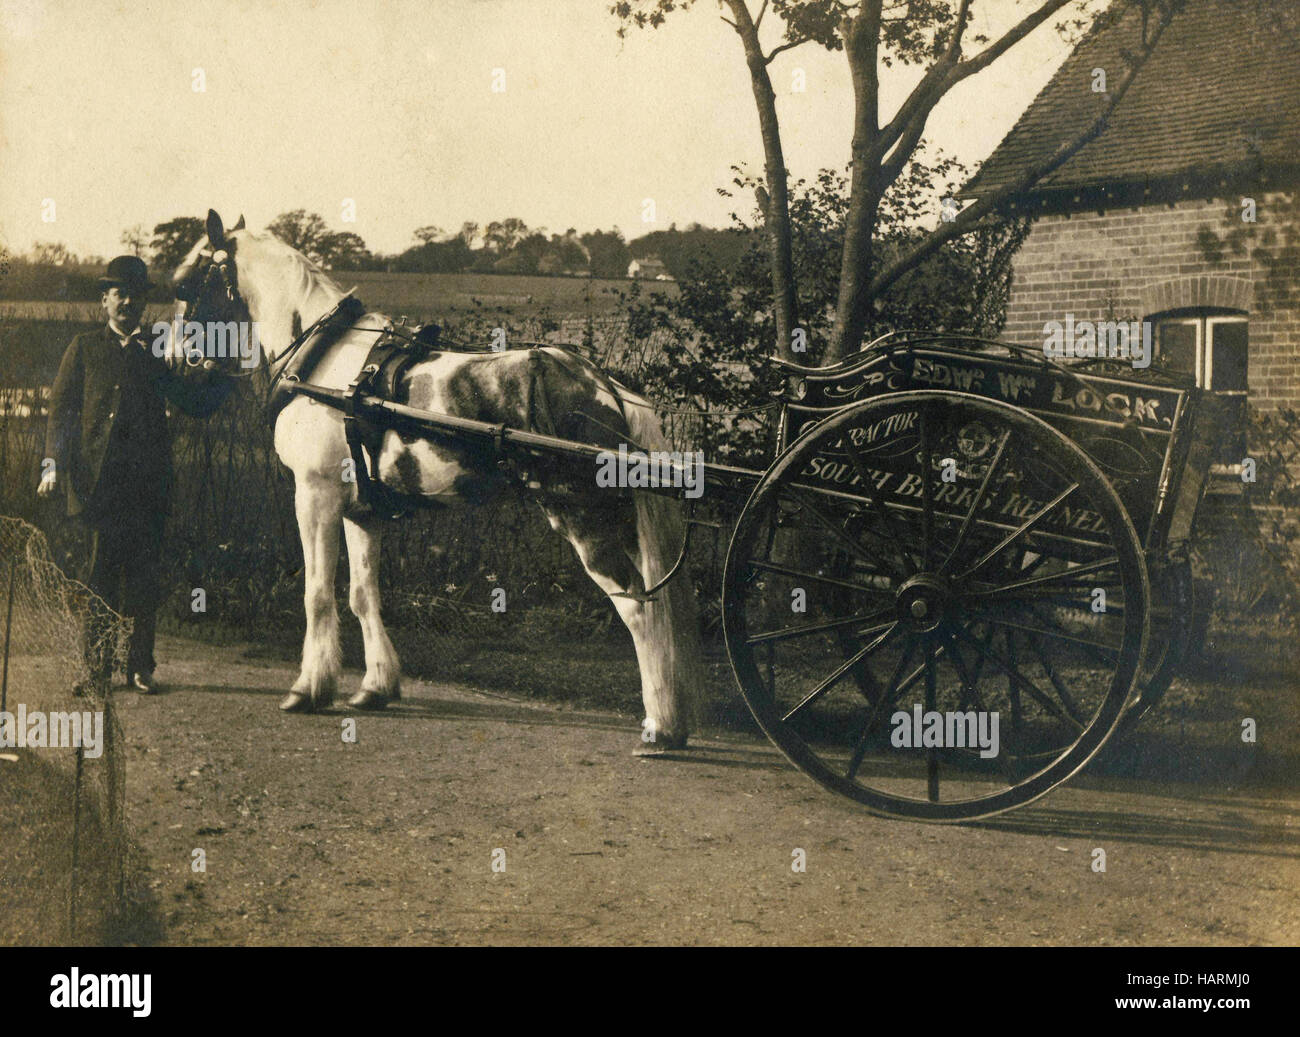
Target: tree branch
1013	36
969	217
787	45
892	163
948	71
890	169
959	28
920	102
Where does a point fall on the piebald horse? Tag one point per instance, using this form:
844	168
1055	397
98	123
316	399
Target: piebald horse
626	542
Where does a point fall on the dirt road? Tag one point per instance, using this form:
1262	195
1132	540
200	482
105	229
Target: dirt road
392	839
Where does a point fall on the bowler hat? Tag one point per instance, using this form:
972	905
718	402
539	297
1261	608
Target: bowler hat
126	271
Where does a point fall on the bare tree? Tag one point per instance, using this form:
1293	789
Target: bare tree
933	34
136	239
52	253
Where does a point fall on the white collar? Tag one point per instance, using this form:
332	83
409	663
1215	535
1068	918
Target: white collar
123	337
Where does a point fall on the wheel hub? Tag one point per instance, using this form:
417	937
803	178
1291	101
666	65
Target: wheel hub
923	600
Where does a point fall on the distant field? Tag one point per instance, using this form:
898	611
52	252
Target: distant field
418	296
34	333
92	312
427	296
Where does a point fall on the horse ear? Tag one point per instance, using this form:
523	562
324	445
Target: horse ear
216	232
239	223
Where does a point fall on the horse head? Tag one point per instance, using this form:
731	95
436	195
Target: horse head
238	275
207	282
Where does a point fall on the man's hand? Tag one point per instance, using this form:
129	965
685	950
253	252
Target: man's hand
48	482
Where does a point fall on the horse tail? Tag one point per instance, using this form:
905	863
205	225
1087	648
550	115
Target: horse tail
672	617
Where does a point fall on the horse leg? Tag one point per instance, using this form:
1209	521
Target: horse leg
319	506
383	672
607	546
669	650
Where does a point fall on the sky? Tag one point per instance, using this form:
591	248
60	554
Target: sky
391	104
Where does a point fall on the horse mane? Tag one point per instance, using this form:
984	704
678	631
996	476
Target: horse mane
307	276
289	290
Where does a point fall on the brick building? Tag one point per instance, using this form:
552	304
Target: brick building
1185	211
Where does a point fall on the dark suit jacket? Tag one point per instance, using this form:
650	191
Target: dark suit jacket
85	408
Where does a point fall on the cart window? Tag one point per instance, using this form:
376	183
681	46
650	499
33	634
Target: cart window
1227	360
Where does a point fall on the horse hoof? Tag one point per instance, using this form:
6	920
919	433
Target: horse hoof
368	700
296	702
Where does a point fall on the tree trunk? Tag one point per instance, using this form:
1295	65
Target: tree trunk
864	194
776	211
854	301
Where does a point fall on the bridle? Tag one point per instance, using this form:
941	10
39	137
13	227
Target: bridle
196	287
215	277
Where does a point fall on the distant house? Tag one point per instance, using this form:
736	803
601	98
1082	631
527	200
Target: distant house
1152	220
649	269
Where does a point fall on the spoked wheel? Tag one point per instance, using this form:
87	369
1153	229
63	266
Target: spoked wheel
936	605
1173	619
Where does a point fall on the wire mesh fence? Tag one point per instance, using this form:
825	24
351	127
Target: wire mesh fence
63	842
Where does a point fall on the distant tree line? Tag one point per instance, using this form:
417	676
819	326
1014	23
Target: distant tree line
508	246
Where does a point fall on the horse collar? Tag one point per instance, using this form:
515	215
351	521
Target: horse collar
305	351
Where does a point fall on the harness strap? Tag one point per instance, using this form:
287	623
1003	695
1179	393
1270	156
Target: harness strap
381	375
352	431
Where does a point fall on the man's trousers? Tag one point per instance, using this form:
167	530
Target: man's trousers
123	568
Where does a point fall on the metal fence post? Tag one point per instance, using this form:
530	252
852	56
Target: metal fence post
116	797
9	623
76	846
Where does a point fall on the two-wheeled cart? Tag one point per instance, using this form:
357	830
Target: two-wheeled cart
965	569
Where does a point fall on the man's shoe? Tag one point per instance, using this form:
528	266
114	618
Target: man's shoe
144	683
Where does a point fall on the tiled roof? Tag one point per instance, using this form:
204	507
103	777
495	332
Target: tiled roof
1220	93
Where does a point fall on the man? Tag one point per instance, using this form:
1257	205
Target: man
108	438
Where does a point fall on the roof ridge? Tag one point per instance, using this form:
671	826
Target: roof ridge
1188	110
